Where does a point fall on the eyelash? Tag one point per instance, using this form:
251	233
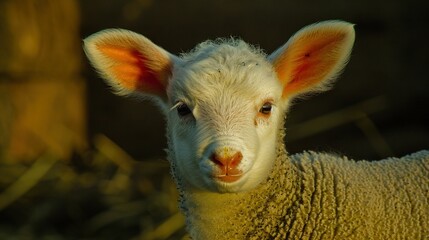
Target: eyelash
183	110
266	108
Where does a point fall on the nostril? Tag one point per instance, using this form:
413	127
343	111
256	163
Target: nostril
235	159
216	159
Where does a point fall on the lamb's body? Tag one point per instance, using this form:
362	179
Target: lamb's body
320	196
225	104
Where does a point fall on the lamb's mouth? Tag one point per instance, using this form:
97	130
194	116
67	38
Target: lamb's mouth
228	178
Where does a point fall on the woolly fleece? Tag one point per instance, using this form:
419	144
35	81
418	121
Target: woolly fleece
320	196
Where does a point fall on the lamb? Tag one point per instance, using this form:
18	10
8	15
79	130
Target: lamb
225	103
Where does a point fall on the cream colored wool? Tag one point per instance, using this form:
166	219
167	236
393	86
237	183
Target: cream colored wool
320	196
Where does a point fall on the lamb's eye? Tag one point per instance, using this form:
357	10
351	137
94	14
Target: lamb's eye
183	110
266	108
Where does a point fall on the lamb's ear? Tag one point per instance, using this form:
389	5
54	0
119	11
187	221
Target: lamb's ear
130	63
313	56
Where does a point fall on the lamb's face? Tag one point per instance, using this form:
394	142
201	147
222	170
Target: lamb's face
224	101
224	120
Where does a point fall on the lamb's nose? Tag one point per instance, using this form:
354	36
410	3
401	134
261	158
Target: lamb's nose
227	163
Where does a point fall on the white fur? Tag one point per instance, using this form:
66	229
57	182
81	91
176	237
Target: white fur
232	81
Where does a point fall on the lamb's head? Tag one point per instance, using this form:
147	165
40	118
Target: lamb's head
225	115
224	101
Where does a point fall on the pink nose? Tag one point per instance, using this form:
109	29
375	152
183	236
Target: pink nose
227	164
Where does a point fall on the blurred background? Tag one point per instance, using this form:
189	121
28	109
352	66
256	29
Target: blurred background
77	162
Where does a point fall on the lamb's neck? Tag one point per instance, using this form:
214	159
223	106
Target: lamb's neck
211	213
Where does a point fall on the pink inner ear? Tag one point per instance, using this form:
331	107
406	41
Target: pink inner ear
308	61
131	69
